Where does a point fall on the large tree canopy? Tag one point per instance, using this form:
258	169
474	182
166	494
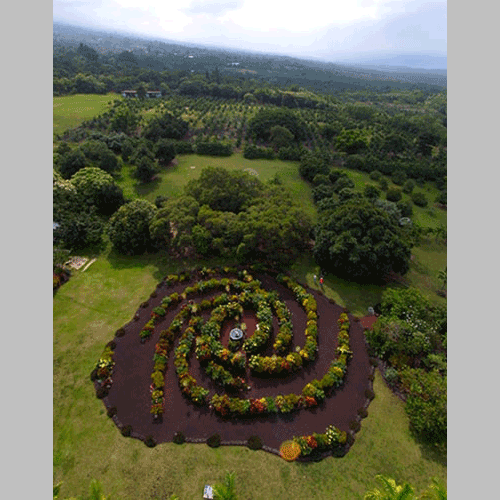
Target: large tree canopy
261	124
165	126
223	190
128	228
361	241
97	188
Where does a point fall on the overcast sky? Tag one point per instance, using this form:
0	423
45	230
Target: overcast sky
327	29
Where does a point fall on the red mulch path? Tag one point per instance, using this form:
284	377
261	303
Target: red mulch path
367	322
130	392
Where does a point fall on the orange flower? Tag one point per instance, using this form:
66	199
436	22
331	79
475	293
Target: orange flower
289	451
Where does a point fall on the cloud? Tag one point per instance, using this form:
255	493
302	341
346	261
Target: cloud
214	9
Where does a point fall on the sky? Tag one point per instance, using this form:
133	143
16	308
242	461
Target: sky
331	30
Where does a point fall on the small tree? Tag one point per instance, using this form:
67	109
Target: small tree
128	228
409	186
371	192
145	170
419	199
165	151
71	162
393	194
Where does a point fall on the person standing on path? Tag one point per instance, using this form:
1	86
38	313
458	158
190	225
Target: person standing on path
321	282
315	279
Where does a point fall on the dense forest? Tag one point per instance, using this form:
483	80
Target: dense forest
329	123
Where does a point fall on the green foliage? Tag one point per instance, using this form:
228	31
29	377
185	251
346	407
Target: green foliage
391	490
165	126
227	489
261	124
426	403
214	148
128	228
280	136
419	199
393	194
375	175
409	186
223	190
98	153
398	177
253	152
165	151
352	141
405	207
371	192
97	188
71	162
312	164
145	169
359	240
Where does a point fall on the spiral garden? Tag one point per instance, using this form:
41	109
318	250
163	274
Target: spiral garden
299	375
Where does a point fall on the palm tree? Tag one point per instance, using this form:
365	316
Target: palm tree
436	491
392	491
442	275
226	490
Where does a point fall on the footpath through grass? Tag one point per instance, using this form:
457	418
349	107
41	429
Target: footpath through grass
71	110
87	311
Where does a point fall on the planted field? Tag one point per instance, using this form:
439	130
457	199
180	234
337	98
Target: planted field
71	110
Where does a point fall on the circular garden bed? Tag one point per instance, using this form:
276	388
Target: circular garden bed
298	380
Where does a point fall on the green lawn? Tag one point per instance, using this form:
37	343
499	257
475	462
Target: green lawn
174	178
428	216
87	311
71	110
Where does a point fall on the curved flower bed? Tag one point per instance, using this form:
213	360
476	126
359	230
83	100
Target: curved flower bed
190	320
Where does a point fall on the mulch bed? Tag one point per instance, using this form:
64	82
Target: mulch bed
130	392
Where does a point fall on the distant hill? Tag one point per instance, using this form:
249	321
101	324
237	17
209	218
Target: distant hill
394	71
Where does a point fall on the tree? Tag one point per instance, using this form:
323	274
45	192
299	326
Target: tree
88	52
393	194
165	126
361	241
352	141
426	403
371	192
224	190
141	92
71	162
78	230
165	151
280	136
409	186
261	124
128	228
145	169
97	188
419	199
98	153
312	164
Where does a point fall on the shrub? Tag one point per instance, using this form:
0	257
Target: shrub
150	442
405	207
254	443
375	175
289	450
179	437
409	186
93	375
393	194
391	375
214	441
354	425
101	392
111	412
363	412
398	178
252	152
126	430
214	148
419	199
371	192
369	394
120	332
383	184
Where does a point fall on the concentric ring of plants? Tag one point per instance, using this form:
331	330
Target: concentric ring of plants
299	374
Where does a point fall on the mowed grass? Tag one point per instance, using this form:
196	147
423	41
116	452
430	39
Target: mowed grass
172	179
71	110
87	311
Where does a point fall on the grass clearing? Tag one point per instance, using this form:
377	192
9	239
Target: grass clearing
173	178
71	110
86	312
